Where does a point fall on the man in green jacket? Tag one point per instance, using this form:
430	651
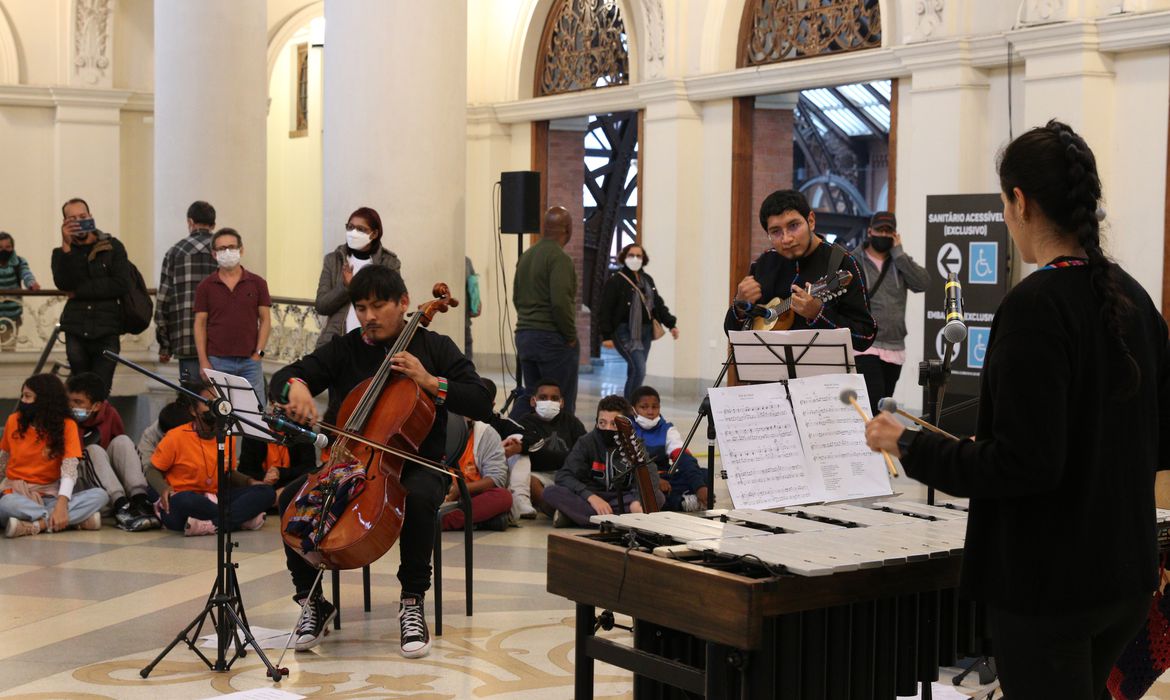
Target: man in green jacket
546	312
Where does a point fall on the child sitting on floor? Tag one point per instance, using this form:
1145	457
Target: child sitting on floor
686	489
39	453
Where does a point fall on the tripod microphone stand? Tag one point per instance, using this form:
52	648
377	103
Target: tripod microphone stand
224	607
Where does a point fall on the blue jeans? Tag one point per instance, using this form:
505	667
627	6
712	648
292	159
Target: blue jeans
635	359
545	355
83	504
245	367
244	504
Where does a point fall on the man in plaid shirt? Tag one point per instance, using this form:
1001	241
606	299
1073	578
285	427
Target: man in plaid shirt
185	265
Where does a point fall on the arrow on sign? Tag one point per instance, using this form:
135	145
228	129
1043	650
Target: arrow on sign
950	259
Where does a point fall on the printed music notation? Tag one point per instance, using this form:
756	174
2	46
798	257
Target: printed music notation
798	445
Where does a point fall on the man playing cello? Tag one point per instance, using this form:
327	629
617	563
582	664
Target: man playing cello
434	362
800	257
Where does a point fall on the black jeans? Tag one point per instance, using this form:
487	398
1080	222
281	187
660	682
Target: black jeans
85	355
1066	656
880	378
425	493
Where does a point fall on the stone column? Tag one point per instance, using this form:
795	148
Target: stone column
210	120
396	137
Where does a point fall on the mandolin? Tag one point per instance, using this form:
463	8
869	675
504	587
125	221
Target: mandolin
826	288
634	452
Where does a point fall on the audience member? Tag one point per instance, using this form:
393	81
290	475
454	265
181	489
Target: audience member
185	265
474	305
92	267
39	454
170	417
363	246
232	315
481	461
276	465
595	479
686	489
539	449
14	271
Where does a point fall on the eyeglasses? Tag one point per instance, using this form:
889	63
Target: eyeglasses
788	231
363	229
222	248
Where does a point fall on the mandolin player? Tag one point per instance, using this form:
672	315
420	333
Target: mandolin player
798	260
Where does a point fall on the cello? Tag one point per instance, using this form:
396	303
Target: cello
384	420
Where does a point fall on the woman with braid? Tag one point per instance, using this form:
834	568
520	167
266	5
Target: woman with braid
1074	420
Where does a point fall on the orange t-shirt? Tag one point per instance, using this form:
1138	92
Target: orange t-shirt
189	461
467	460
277	456
28	458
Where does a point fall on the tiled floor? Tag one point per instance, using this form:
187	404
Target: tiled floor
81	613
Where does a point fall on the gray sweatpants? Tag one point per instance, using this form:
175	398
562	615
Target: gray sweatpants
117	470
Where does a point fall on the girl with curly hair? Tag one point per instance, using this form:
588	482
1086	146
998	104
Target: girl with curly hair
39	453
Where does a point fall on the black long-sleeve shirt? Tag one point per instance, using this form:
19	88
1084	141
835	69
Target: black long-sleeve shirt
98	274
776	275
344	362
617	296
1061	474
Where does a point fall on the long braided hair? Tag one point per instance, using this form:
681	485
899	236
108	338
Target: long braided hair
1055	168
52	410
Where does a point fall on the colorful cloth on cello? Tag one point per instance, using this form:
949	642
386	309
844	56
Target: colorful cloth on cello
318	508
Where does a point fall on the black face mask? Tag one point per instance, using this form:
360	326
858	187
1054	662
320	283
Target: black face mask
609	437
28	410
881	244
5	256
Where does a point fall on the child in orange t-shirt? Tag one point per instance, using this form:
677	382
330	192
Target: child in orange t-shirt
38	464
184	473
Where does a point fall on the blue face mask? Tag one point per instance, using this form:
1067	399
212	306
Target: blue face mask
80	414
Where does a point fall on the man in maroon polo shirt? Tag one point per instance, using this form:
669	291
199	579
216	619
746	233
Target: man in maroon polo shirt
232	318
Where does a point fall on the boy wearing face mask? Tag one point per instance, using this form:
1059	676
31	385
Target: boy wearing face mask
184	474
232	315
540	448
889	273
14	271
595	479
110	461
686	489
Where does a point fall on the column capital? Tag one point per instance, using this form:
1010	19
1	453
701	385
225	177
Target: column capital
949	64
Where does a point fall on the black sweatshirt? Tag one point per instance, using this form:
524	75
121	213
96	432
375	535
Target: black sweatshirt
776	275
1061	475
345	361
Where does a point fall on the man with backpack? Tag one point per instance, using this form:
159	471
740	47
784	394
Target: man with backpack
92	267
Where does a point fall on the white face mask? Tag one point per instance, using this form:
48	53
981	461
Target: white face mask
228	258
634	262
356	240
647	423
547	410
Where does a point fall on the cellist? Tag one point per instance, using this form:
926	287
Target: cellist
432	360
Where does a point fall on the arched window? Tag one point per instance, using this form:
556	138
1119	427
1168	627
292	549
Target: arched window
584	46
783	30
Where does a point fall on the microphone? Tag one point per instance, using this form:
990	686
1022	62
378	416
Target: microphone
751	310
296	431
955	330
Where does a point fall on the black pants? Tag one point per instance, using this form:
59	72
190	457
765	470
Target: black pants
1065	656
880	378
425	493
85	355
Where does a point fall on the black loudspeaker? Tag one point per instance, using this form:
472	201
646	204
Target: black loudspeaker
520	202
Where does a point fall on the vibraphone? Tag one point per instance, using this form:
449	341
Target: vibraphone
814	602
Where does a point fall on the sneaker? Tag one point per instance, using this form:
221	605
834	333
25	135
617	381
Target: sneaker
522	508
141	523
141	506
561	520
19	528
93	522
499	523
414	637
690	503
313	623
125	514
254	523
196	527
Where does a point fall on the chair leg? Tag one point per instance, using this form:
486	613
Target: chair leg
366	586
438	585
337	598
468	526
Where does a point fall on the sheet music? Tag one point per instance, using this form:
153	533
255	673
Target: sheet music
759	355
834	437
760	448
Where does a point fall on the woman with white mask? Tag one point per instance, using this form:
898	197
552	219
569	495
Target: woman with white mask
363	246
630	306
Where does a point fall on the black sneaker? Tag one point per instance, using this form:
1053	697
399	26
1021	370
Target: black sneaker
141	506
314	622
498	523
414	637
124	513
140	524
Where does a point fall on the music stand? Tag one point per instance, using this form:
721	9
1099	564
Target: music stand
242	396
776	356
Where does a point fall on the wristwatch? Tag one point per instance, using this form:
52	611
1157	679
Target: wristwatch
906	442
260	353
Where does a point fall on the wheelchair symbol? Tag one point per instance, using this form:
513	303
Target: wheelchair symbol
977	346
983	263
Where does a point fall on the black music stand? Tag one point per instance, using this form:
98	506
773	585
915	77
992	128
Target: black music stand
773	356
224	606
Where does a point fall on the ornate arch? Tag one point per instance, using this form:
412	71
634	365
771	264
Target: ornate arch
783	30
585	45
9	56
288	28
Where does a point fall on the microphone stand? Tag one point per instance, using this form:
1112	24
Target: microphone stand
934	375
705	412
224	606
